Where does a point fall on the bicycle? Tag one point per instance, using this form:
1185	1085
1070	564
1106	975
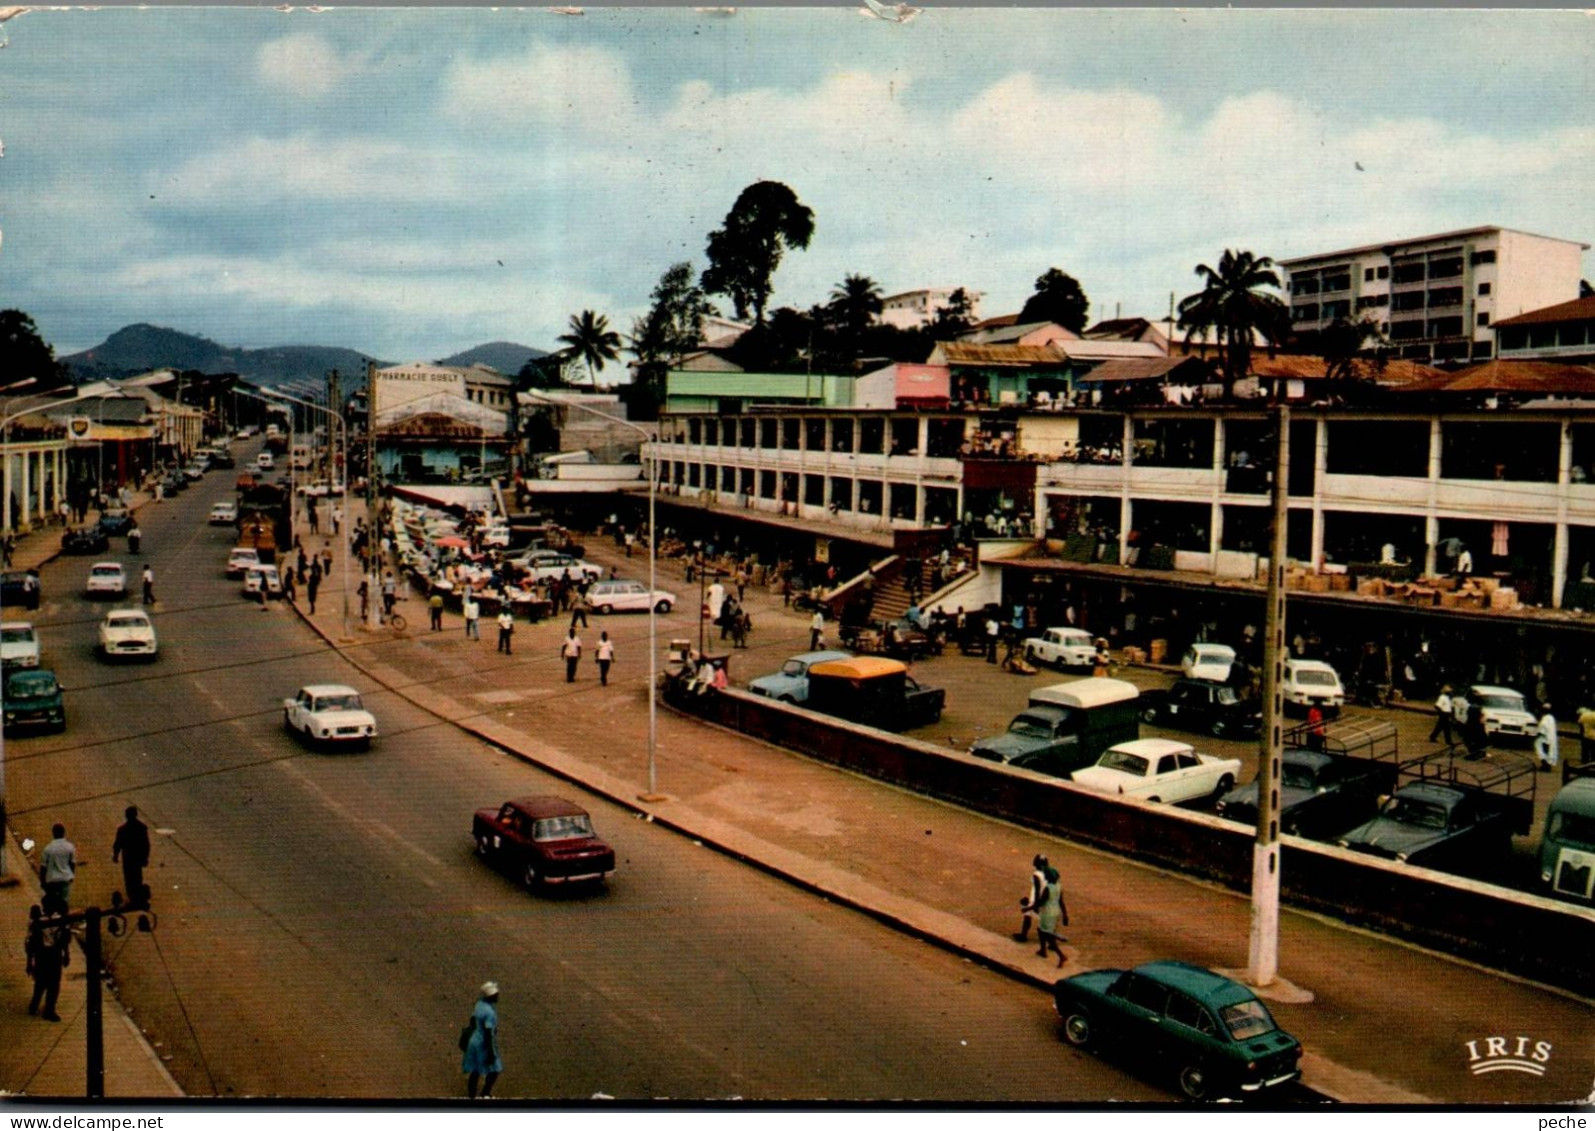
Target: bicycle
395	619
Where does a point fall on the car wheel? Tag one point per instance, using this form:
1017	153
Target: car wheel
1077	1029
1155	800
1193	1082
1219	728
662	607
605	610
529	876
1031	658
1149	715
484	845
1225	784
788	700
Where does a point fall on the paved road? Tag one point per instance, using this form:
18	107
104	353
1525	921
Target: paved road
323	923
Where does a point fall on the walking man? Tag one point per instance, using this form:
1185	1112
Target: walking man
1051	914
579	609
1547	743
135	536
605	656
434	606
816	630
570	649
149	586
311	587
390	594
473	613
49	951
1443	708
506	630
993	631
132	848
313	516
58	867
1032	898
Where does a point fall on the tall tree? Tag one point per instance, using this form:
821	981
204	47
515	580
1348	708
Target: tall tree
1059	298
672	327
1341	343
855	304
591	339
24	355
1232	304
953	319
766	220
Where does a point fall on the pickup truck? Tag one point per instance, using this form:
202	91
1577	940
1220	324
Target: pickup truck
874	691
1066	726
1452	814
1201	704
1330	786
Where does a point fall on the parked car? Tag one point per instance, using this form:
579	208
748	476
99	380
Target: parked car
246	481
1062	648
1309	683
194	471
19	645
1160	769
1567	847
20	588
33	698
1208	661
127	632
265	461
1503	711
628	597
257	576
175	483
1198	704
240	559
330	713
222	460
1321	794
107	579
85	540
320	489
115	521
791	683
545	566
223	514
873	691
1211	1033
543	840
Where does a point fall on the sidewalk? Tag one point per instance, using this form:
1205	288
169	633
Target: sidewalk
43	1058
949	876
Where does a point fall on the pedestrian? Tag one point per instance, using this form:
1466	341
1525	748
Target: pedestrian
1473	733
1547	743
1315	728
289	586
506	630
313	517
1032	898
311	588
132	848
390	593
473	612
149	586
1102	658
49	951
993	630
570	650
816	630
135	538
58	867
326	563
1051	913
631	543
337	520
364	593
482	1061
605	656
1443	708
1586	734
300	565
315	571
579	608
434	606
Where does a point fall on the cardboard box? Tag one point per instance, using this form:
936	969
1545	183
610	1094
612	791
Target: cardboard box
1340	583
1486	585
1315	583
1503	598
1371	586
1158	651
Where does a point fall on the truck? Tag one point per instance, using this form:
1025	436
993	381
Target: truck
1066	726
1567	846
1453	813
1330	782
874	691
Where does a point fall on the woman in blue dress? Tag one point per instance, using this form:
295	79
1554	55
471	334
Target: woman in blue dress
482	1061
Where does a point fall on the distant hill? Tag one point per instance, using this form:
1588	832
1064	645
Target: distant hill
142	347
506	357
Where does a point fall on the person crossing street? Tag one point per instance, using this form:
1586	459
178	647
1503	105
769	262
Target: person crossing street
570	650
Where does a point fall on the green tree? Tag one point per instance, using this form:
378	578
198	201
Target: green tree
766	220
24	354
1058	298
1341	343
672	328
954	319
591	339
1233	306
855	304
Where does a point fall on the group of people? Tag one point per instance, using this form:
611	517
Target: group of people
1467	717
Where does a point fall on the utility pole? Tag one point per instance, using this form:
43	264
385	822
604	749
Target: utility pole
1263	957
334	405
374	538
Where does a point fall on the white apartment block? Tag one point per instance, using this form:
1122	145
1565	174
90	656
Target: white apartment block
1435	297
912	309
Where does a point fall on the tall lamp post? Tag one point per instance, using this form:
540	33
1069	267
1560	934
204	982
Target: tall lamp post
343	427
651	463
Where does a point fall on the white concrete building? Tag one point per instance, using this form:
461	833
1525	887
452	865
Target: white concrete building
911	309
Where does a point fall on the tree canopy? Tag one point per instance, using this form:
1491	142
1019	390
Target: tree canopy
1058	298
24	354
672	327
953	319
1232	306
591	339
765	221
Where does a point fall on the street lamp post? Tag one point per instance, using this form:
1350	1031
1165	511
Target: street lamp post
653	565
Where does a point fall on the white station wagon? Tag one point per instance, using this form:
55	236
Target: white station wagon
628	597
329	712
1159	769
107	579
19	645
127	632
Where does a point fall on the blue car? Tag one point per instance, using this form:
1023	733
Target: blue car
791	683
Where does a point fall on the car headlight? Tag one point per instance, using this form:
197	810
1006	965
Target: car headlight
1402	857
1545	875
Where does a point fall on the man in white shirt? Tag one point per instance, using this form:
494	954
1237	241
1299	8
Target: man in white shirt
605	655
570	650
57	869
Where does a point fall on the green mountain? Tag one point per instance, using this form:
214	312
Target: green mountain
142	347
506	357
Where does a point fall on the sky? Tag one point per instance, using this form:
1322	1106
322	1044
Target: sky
409	183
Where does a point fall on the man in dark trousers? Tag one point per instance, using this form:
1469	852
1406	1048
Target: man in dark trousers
570	650
49	951
132	848
149	586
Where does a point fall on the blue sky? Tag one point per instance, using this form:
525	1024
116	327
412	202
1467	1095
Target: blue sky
409	183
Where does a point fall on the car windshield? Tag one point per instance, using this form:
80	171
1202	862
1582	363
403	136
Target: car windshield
1247	1019
1030	727
1572	828
1226	695
349	702
127	620
1298	776
9	635
31	687
1310	678
1410	811
794	667
1119	760
1502	702
563	828
107	571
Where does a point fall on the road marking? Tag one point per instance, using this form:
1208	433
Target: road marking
352	817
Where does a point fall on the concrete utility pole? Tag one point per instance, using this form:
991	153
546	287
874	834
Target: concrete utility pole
1263	959
374	556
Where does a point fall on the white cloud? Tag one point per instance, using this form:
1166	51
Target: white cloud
583	89
260	169
304	64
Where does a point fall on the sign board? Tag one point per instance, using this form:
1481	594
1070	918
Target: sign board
822	550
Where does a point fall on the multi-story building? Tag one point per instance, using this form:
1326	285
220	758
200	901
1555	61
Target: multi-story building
912	309
1436	297
1564	332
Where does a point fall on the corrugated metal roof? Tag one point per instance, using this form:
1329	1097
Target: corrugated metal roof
1101	349
1188	369
970	353
1498	376
1578	310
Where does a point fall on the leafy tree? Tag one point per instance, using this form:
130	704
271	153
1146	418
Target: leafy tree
1231	305
591	339
954	319
766	219
1058	298
672	327
855	304
542	372
1341	343
23	354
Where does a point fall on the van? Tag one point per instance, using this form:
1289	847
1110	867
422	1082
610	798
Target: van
874	691
1067	726
1310	683
302	458
1567	848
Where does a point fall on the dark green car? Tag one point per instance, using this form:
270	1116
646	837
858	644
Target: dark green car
1211	1033
33	699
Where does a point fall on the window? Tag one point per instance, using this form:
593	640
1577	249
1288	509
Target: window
748	428
841	435
869	496
1407	300
695	430
872	436
766	484
1337	282
1340	308
841	493
1406	331
767	433
1307	312
1307	285
747	480
905	436
790	428
1368	302
1483	257
1144	992
1184	1011
1445	327
1383	272
694	474
1367	274
905	501
1445	296
814	434
711	432
1484	288
1407	273
1483	318
1448	268
814	490
728	479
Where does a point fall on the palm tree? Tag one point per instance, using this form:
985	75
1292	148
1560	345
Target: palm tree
855	303
1231	305
591	339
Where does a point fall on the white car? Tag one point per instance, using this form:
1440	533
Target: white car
127	632
496	537
1503	712
19	645
241	560
1208	661
329	712
258	575
320	489
1312	683
195	471
549	566
223	514
106	579
265	462
1062	648
628	597
1159	769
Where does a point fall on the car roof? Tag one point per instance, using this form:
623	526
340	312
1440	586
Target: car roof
1198	981
18	624
1086	693
820	657
1310	665
1578	794
29	674
1215	649
320	689
106	565
1155	747
1066	630
859	667
1494	689
126	613
547	806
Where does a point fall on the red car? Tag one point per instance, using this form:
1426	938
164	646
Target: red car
547	840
